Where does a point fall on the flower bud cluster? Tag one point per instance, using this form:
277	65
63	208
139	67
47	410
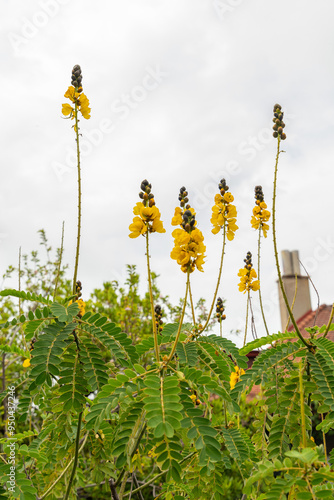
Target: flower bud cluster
260	215
188	221
76	77
31	347
78	288
220	310
183	196
278	122
184	216
146	195
158	318
247	276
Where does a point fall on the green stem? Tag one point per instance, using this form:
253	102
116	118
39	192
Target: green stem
181	321
225	415
246	319
218	280
329	322
76	455
302	403
155	333
276	252
293	301
79	200
258	276
192	304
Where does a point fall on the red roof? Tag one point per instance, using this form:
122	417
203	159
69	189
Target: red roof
319	317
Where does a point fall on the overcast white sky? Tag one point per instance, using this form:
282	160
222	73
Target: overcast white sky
181	94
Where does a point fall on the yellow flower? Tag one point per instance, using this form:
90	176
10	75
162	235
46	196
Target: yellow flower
137	227
67	110
177	219
157	226
199	262
82	306
71	94
26	363
228	197
78	98
181	237
236	376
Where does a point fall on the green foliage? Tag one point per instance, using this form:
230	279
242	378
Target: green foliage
119	403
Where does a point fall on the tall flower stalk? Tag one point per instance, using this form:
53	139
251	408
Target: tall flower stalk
280	135
259	221
247	283
80	103
147	220
224	217
188	250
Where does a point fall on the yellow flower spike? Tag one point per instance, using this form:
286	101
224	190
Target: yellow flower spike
147	214
26	363
224	214
247	276
188	248
260	215
77	97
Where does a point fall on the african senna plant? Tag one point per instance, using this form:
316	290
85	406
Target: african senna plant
122	419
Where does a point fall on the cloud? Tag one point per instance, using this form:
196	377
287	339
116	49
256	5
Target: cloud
208	117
